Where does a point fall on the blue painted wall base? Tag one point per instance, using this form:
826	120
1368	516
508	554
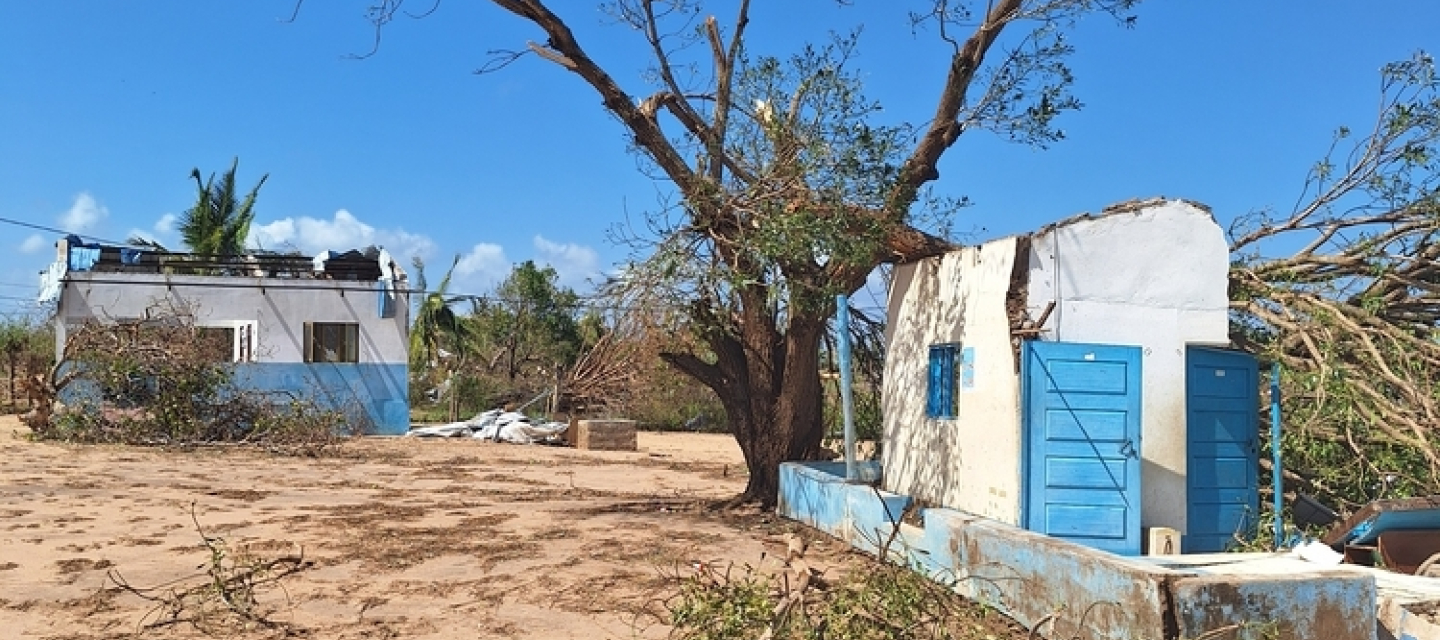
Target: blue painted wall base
1069	590
377	396
374	396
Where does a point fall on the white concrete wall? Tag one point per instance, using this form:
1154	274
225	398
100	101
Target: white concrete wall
278	310
971	462
1153	278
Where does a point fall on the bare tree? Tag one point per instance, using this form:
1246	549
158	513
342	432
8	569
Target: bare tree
1344	291
786	193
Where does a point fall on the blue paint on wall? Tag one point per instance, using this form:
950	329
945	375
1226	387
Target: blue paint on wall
817	494
1068	589
377	394
967	368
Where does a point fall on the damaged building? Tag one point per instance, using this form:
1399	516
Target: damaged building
333	328
1075	382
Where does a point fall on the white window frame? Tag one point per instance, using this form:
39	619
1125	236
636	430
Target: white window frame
242	338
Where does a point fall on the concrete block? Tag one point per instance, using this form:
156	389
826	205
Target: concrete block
605	435
1403	624
1332	605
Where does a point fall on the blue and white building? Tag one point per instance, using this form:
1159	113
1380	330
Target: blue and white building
1076	381
333	329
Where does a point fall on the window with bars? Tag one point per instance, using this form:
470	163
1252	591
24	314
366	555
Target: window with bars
332	342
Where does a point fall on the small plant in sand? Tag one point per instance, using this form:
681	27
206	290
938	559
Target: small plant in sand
225	598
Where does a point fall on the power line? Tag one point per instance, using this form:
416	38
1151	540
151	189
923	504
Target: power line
291	284
473	298
587	302
41	227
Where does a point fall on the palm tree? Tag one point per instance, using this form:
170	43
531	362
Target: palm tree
435	322
220	220
435	325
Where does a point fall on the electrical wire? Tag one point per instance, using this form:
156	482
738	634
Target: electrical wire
41	227
582	302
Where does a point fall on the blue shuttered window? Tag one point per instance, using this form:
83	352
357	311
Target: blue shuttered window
941	397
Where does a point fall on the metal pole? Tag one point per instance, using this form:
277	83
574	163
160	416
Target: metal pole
1276	470
842	327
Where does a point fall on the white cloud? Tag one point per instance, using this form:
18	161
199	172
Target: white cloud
166	224
84	214
341	233
33	244
574	263
478	271
162	233
273	235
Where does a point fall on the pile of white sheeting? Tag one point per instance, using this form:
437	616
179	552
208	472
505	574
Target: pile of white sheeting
496	425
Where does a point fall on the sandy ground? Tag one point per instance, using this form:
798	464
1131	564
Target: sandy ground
409	538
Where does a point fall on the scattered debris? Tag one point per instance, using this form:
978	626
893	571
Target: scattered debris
1401	534
497	425
225	598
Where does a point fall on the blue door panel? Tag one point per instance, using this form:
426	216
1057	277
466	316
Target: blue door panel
1222	475
1086	524
1086	376
1222	390
1084	473
1223	449
1100	424
1082	422
1210	425
1225	380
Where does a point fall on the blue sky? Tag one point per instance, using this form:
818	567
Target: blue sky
106	106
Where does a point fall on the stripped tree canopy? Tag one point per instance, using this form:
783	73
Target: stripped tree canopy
787	187
1344	291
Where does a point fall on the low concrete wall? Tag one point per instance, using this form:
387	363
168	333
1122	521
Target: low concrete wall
1299	605
1068	590
817	494
375	397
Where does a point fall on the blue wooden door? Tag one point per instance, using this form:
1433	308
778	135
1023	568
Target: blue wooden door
1082	422
1221	400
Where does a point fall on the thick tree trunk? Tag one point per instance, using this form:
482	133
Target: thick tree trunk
771	392
766	376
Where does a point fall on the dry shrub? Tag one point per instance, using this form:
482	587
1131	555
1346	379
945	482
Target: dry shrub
164	381
882	601
227	598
